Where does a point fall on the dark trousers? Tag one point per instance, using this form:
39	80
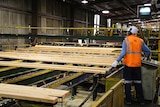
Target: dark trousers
132	76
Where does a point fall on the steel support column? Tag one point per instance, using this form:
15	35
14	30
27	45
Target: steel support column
34	16
95	81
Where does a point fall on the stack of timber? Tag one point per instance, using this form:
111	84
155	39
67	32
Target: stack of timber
63	58
93	60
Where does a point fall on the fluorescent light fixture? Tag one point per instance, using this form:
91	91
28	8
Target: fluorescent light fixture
105	11
147	4
84	1
130	23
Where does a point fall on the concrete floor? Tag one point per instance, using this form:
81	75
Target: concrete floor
75	102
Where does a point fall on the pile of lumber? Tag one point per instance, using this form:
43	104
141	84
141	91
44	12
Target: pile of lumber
86	59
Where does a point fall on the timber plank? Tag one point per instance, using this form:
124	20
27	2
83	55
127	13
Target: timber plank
34	90
85	63
55	67
102	61
31	93
64	49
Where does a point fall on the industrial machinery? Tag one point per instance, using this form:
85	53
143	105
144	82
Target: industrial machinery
85	72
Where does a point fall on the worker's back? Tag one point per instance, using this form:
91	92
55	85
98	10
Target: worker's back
133	51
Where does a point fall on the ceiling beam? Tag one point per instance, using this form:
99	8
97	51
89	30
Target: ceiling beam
121	16
127	7
96	2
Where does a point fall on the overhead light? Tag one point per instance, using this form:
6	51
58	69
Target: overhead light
147	4
105	11
84	1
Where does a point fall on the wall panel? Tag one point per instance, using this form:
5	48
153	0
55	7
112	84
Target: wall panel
50	13
15	13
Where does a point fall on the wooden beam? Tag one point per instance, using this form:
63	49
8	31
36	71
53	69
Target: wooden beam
8	68
55	67
68	49
73	59
31	93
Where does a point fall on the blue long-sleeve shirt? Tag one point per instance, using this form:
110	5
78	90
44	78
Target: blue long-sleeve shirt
145	49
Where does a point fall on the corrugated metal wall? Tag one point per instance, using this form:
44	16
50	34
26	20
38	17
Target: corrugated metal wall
14	13
51	13
59	14
46	13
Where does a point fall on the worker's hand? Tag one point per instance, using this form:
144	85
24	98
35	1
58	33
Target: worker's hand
114	64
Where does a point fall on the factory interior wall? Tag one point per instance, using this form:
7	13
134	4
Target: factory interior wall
17	17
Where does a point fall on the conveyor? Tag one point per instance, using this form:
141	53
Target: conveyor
7	102
54	66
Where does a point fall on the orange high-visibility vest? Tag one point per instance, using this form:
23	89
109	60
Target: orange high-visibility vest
133	51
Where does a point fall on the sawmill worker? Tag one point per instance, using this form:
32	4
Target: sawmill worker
132	48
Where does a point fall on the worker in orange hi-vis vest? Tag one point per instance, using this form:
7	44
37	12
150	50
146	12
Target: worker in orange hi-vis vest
132	48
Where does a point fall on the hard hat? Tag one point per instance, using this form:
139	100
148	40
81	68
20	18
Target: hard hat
133	29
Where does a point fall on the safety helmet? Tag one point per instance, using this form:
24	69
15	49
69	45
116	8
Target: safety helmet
133	30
